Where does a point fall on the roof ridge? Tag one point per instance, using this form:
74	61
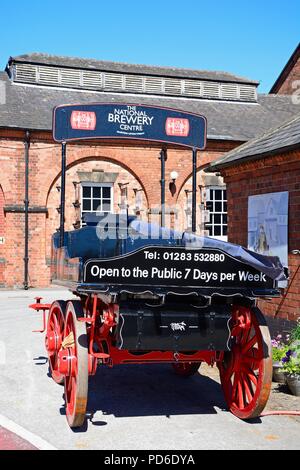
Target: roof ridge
253	141
43	55
290	63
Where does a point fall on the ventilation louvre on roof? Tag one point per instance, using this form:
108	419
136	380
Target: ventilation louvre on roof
26	73
154	85
110	81
93	80
113	81
46	76
134	83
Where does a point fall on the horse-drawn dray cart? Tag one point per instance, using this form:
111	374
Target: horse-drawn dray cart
149	294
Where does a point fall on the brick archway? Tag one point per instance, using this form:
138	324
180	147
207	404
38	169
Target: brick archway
132	159
96	158
90	166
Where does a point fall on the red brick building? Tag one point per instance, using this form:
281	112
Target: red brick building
269	164
118	175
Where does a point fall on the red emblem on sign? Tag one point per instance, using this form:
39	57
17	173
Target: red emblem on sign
83	120
178	127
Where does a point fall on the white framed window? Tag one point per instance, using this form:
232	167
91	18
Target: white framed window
216	205
96	197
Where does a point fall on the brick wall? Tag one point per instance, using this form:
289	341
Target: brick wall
2	238
279	173
139	166
287	84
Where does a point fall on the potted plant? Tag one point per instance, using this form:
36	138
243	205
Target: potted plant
291	366
279	350
291	362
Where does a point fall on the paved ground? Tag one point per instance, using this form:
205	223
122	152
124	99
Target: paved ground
11	441
130	407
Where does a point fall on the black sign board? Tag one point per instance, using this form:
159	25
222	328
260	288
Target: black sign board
175	266
129	121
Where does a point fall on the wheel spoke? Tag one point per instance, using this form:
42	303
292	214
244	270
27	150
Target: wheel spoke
252	362
249	345
240	394
248	392
235	386
251	375
245	335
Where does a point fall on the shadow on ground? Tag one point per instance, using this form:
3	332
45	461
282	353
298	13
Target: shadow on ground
152	390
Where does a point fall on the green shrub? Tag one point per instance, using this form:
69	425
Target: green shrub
279	353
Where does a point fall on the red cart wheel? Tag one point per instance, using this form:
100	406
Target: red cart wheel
54	337
246	371
186	369
76	378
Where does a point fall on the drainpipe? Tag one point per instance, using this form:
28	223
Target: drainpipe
26	209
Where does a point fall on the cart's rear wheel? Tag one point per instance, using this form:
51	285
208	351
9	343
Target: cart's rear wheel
246	371
76	381
186	369
54	337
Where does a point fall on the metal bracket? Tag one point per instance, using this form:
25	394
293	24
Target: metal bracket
37	307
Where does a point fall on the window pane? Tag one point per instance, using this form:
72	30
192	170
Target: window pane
217	218
218	207
86	191
218	194
86	204
96	192
106	192
217	229
96	204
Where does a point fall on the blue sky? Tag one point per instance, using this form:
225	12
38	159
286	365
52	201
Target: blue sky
249	38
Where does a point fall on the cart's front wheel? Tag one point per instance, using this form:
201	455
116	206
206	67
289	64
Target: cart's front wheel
186	369
54	337
76	378
246	371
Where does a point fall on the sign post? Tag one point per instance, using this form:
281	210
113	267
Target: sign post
62	194
194	191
